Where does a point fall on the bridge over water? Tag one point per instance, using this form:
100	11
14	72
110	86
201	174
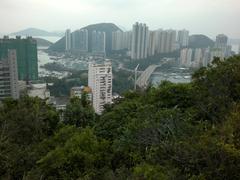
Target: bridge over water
143	80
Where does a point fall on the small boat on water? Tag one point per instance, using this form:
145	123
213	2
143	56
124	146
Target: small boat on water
187	77
177	77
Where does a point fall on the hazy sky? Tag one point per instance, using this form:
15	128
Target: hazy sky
209	17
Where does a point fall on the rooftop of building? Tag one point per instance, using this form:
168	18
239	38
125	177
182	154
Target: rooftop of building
58	101
17	38
106	62
82	88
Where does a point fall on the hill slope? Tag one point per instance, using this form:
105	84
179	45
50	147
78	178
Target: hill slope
108	28
35	32
200	41
43	42
174	131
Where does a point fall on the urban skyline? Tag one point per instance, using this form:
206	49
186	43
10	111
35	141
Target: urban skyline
173	14
127	89
142	42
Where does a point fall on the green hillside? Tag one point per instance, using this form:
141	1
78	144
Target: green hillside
43	42
175	131
200	41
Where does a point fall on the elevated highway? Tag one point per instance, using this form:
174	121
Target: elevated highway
143	80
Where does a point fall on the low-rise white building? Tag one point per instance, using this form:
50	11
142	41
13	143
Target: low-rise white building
78	92
38	90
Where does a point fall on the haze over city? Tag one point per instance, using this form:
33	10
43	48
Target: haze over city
120	89
199	16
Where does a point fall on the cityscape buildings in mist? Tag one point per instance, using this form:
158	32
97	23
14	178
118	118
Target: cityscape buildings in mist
202	16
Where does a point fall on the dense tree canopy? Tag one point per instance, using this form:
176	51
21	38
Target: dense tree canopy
174	131
23	124
79	112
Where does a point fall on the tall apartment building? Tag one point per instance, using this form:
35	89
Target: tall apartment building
117	40
165	41
206	57
170	41
186	57
198	58
27	58
183	38
159	41
121	40
140	37
127	40
221	41
98	42
100	81
80	40
221	44
217	53
152	43
9	76
68	40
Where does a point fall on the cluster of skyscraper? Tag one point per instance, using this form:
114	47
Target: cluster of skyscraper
18	61
194	57
121	40
203	56
98	42
143	43
81	41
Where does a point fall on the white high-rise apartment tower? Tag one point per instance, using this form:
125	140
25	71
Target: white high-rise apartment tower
9	76
170	41
221	44
117	40
121	40
80	40
183	38
68	40
152	43
98	42
165	41
186	57
198	58
100	81
206	57
140	37
221	41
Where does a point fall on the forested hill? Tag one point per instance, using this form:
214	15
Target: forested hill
36	32
200	41
108	28
175	131
43	42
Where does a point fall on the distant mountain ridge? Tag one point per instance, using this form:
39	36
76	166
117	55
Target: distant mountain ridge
43	42
234	41
200	41
108	28
36	32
